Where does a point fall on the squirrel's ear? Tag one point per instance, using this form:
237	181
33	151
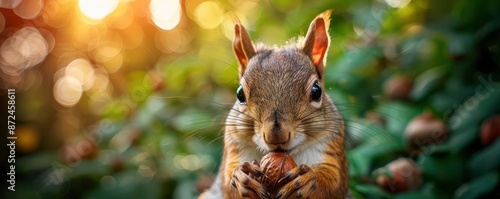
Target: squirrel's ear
242	46
317	41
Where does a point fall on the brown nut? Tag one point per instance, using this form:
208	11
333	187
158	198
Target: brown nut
425	129
275	165
490	130
398	87
399	175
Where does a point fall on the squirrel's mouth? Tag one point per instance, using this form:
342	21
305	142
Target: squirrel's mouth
289	146
282	150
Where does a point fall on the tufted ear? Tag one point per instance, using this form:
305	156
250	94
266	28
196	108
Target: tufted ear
317	41
242	46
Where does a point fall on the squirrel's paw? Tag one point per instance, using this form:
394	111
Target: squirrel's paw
244	180
300	182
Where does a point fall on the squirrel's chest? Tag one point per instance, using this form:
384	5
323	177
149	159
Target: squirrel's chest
310	155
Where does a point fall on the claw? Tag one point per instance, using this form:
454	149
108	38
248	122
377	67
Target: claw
256	163
286	177
246	183
260	173
278	196
299	182
248	169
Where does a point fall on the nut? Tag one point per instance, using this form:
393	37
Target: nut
398	87
490	130
425	129
275	165
399	175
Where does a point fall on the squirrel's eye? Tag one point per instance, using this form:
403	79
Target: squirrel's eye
316	92
241	95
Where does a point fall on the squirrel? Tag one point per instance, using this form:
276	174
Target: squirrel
282	106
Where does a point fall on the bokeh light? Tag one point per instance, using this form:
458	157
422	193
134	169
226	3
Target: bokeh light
9	3
101	91
228	23
166	14
101	84
97	9
29	9
56	14
68	91
397	3
176	40
108	182
78	76
31	138
81	70
23	50
209	14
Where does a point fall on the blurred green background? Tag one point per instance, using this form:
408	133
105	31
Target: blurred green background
126	98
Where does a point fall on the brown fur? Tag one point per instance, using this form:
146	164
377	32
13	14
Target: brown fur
279	114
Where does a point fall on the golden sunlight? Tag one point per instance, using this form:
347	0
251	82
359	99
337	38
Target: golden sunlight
97	9
166	14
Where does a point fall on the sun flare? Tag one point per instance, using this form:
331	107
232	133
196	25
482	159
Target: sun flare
97	9
166	14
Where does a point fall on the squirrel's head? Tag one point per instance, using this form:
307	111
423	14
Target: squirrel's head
281	94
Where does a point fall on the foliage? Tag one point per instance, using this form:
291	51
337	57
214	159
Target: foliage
161	135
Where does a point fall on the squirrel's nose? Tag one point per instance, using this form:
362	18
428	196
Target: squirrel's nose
275	132
276	137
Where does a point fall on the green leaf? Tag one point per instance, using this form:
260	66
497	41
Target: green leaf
344	102
185	189
460	43
35	162
362	156
360	130
447	171
415	195
478	187
456	143
426	82
428	191
128	185
372	191
486	159
357	58
477	107
147	114
355	194
397	115
88	168
193	119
